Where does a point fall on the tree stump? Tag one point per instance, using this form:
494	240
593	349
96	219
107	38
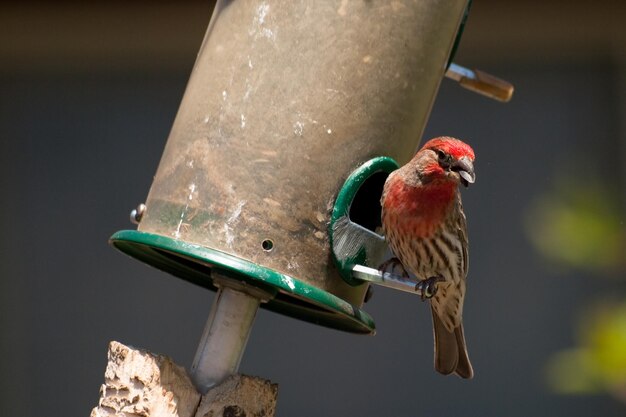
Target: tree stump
141	384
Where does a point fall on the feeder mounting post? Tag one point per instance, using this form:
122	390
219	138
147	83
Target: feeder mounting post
226	332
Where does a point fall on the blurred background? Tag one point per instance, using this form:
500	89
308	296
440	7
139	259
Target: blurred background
88	93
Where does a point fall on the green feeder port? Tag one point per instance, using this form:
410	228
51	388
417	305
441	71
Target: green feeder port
356	217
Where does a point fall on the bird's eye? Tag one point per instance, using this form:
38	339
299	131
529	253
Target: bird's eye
445	160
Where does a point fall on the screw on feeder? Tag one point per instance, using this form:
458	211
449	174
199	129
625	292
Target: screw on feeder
137	214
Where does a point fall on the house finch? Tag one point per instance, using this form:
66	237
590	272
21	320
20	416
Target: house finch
425	227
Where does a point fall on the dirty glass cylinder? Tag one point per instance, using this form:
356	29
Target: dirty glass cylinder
285	100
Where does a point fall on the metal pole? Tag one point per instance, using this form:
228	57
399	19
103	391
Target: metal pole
225	337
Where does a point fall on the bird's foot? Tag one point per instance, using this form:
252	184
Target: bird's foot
391	264
428	287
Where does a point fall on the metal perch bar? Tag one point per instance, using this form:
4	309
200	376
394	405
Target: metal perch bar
386	279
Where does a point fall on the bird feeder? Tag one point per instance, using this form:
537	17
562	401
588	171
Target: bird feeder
294	114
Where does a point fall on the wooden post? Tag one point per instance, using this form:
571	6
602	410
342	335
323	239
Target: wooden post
142	384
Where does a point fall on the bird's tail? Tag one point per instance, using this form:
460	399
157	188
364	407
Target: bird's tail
450	351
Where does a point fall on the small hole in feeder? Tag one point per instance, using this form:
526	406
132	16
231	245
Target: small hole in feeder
267	245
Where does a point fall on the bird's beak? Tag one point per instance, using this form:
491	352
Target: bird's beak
465	168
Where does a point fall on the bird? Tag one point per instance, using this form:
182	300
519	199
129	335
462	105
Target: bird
426	229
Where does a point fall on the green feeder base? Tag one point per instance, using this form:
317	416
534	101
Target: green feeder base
292	297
